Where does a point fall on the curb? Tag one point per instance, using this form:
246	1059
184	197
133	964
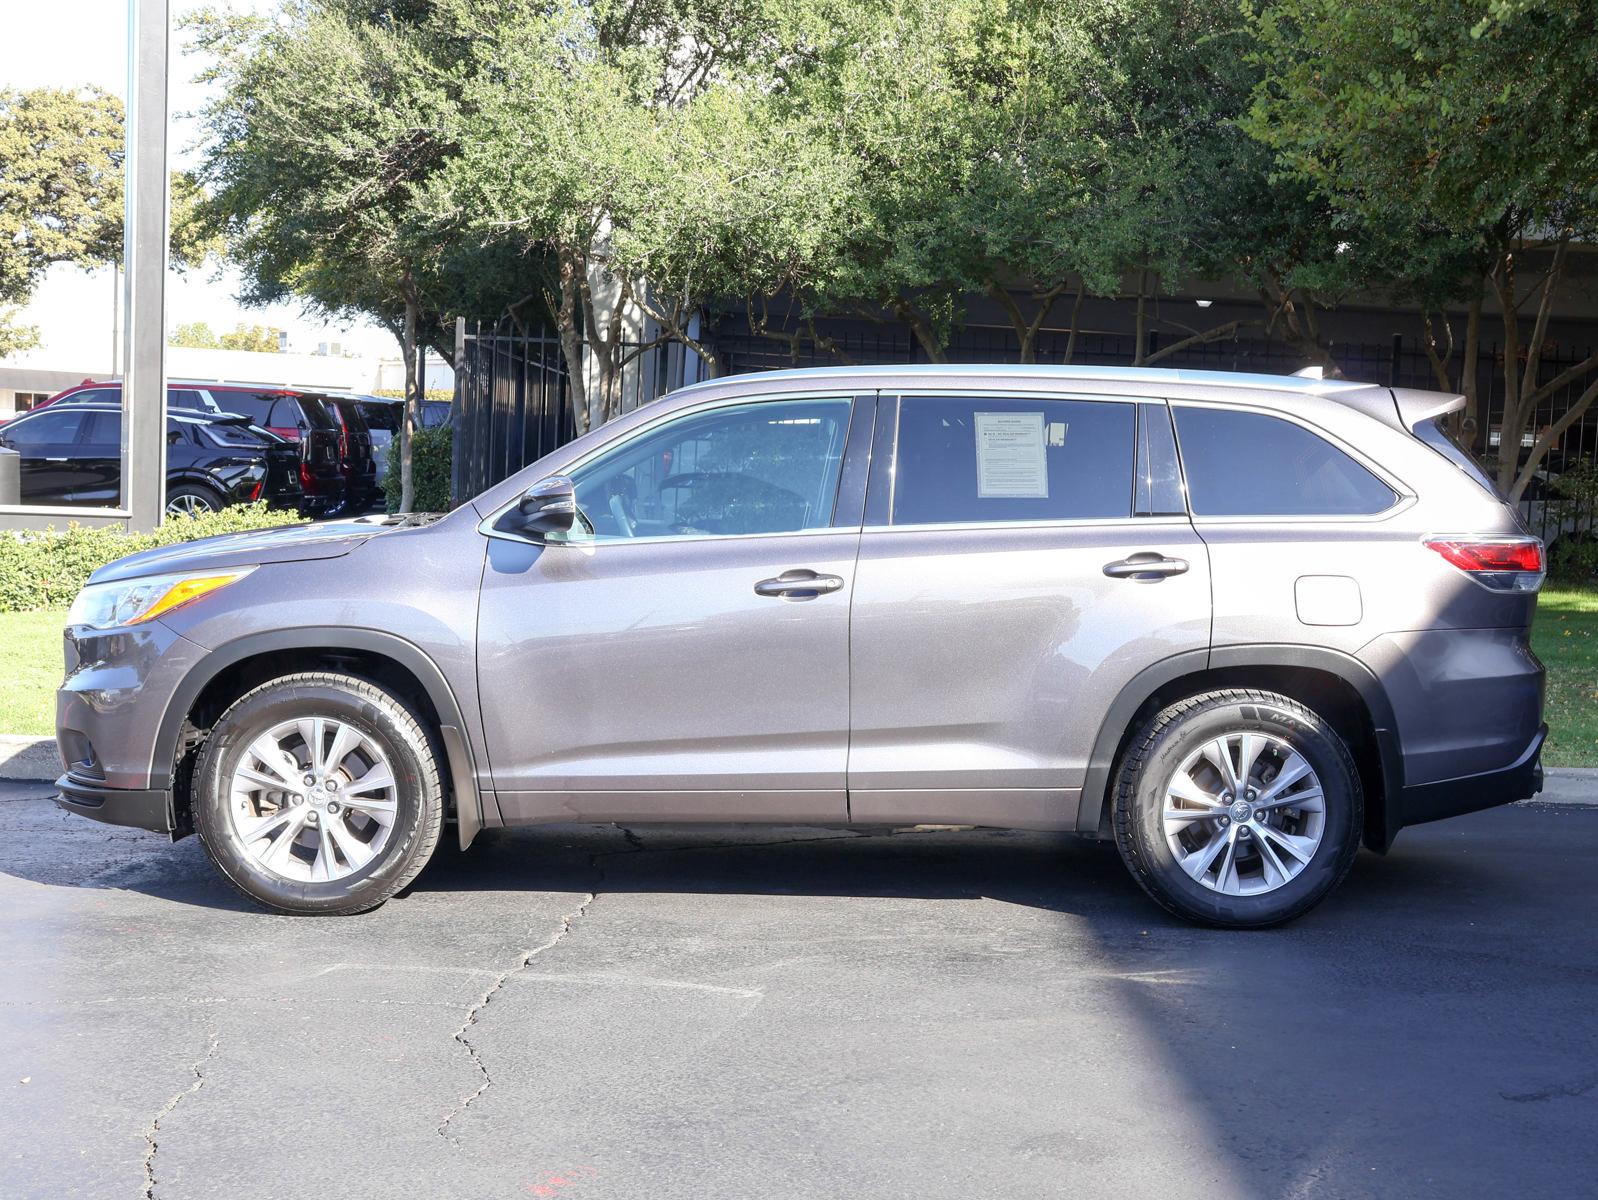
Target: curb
1568	785
34	760
30	759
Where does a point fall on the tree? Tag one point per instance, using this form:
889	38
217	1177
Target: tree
60	191
256	338
1039	153
194	335
329	120
61	195
1469	130
611	135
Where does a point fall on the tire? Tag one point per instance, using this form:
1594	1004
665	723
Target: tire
342	857
1274	876
190	499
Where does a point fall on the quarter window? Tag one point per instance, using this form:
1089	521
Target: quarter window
967	459
1243	464
769	467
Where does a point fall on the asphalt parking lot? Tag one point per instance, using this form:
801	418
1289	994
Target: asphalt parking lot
588	1012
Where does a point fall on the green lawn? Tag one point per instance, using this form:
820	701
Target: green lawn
30	669
1565	638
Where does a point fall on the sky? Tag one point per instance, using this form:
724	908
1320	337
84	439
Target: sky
67	43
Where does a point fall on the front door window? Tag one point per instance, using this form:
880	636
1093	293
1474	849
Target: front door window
758	468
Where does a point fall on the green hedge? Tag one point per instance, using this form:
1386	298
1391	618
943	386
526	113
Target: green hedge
431	456
45	570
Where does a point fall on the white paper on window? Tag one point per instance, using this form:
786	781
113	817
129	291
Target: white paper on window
1011	458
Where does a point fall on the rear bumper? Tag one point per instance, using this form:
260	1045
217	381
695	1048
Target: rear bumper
1521	780
150	810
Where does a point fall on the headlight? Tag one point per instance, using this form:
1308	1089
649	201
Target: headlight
114	605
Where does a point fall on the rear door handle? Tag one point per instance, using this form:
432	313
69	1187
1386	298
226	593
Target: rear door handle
801	584
1145	567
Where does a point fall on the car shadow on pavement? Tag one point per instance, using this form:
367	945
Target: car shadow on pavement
1424	1032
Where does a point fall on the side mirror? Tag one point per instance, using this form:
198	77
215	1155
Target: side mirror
549	506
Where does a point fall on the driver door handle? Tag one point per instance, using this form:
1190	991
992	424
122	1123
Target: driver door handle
1145	567
802	584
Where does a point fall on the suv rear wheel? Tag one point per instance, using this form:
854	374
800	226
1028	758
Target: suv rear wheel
1238	808
318	793
191	500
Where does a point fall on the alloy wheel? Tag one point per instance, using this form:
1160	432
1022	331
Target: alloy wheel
1244	814
313	799
188	505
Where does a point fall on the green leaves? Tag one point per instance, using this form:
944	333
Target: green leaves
60	185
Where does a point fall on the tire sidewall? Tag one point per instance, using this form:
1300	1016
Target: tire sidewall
1306	734
229	741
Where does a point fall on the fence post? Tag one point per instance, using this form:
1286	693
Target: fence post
458	420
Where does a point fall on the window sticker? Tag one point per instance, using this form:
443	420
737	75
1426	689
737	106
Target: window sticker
1011	455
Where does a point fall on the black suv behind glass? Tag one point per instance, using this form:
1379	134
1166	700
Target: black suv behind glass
72	455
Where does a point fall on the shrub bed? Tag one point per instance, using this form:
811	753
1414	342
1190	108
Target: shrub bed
432	451
46	569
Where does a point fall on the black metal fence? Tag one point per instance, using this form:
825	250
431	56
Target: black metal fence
515	402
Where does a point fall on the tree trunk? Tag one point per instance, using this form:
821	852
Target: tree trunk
570	337
1140	327
1469	383
922	329
411	419
1514	418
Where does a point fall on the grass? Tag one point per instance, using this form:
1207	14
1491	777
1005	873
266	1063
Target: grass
30	670
1565	638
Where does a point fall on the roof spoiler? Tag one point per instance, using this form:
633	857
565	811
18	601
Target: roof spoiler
1401	408
1416	407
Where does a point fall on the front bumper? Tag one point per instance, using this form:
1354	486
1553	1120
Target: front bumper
150	810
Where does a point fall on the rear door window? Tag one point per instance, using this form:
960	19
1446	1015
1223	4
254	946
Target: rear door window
1245	464
101	434
964	459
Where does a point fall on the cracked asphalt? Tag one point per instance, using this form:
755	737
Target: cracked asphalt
795	1013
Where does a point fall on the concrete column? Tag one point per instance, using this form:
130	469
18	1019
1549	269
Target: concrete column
145	252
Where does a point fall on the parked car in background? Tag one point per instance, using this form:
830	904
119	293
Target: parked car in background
337	472
1239	624
72	456
385	414
337	475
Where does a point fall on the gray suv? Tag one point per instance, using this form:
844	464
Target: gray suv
1237	624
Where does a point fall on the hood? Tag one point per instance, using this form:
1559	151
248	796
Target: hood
292	543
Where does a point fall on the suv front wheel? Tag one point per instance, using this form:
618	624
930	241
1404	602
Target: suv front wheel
1238	808
318	793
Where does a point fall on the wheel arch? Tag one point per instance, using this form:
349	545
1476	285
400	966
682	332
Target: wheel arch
234	668
1338	686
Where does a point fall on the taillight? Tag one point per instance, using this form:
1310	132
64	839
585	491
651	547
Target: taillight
255	492
307	480
1505	564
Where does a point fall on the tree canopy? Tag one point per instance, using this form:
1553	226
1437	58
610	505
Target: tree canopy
1468	130
588	161
61	194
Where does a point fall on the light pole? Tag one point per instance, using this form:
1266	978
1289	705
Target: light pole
144	251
